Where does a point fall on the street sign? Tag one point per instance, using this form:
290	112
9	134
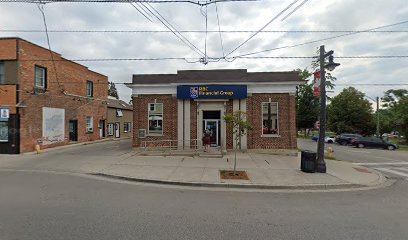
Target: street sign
316	84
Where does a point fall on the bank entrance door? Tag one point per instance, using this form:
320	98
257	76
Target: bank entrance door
212	122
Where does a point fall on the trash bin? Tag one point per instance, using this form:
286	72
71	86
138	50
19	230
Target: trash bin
308	161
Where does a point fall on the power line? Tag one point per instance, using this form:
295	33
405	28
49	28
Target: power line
170	27
219	30
294	10
262	28
323	39
201	31
198	2
41	9
144	15
341	84
196	60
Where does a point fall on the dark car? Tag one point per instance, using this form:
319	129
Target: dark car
373	142
345	138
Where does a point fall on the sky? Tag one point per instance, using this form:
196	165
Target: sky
24	19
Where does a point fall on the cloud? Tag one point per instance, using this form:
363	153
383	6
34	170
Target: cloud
314	15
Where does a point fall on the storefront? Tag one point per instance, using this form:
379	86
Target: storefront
177	108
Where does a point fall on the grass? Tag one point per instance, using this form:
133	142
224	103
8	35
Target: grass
403	148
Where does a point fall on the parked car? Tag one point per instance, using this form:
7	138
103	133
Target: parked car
327	139
345	138
373	142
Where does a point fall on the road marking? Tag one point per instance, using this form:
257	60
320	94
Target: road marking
359	151
393	172
382	163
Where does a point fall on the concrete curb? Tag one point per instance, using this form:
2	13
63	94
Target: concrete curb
237	185
67	146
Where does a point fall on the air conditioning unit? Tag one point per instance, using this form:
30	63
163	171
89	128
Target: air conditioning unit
141	133
89	129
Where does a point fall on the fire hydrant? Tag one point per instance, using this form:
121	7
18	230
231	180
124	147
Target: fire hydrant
330	152
37	148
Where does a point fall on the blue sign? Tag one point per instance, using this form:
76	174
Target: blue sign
211	91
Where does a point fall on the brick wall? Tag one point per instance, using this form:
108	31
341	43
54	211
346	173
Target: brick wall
287	122
69	78
8	49
229	130
140	118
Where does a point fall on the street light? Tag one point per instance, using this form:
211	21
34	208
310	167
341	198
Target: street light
321	164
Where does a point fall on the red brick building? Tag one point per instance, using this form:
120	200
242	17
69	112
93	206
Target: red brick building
51	101
179	107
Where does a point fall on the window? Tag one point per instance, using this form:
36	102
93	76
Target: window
127	127
89	124
119	113
110	129
89	88
2	74
270	123
40	77
155	119
4	131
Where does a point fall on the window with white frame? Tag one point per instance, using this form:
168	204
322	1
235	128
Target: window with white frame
127	127
40	77
270	121
110	129
119	113
2	73
89	124
155	119
89	88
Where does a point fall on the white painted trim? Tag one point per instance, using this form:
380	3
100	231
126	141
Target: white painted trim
171	89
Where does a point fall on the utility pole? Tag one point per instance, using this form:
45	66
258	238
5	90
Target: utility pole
321	164
378	117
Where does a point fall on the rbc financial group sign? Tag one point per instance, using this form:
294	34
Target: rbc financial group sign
211	91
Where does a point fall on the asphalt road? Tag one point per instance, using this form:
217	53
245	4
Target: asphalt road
393	164
357	155
59	206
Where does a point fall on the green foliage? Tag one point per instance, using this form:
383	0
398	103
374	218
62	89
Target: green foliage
240	127
112	91
395	114
239	124
330	79
307	106
349	112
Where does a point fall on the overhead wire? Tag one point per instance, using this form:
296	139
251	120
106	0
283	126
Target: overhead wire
41	9
262	28
144	15
294	10
323	39
169	26
198	2
202	31
219	30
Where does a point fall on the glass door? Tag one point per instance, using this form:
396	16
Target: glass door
212	126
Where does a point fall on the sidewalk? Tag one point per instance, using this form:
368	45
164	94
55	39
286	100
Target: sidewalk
264	171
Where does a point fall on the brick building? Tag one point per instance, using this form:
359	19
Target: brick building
120	119
179	107
50	103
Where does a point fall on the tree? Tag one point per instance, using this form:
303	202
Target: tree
350	112
307	105
112	91
396	104
240	128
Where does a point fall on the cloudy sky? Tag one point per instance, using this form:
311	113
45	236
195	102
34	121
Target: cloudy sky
313	15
